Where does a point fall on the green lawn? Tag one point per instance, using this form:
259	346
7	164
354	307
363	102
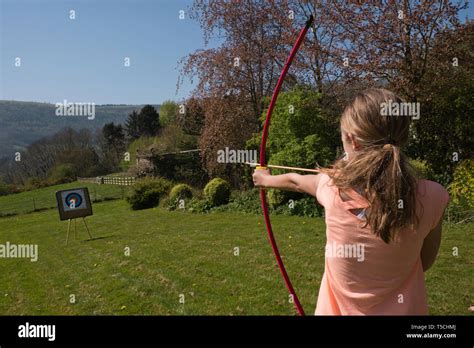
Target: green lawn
174	253
44	198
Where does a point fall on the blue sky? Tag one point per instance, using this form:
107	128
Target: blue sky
82	60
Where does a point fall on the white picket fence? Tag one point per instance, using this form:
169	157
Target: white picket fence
110	180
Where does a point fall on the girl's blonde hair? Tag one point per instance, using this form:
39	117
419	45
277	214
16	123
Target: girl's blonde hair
379	170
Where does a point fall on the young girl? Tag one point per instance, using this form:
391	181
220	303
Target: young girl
383	226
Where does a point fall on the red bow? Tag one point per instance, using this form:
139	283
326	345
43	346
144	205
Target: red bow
263	162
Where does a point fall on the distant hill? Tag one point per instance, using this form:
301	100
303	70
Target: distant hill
22	123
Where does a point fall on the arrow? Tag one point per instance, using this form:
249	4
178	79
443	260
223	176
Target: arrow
282	167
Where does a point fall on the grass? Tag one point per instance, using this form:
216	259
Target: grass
44	198
179	253
171	253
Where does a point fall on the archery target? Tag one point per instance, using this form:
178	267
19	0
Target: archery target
73	200
74	203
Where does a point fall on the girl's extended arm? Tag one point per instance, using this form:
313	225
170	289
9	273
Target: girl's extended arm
288	182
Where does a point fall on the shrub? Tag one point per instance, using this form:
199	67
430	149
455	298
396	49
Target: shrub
168	204
181	191
249	202
461	191
462	186
443	179
62	173
243	201
422	169
199	206
276	198
178	194
34	183
147	193
302	207
217	192
4	189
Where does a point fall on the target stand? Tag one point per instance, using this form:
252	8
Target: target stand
74	204
75	230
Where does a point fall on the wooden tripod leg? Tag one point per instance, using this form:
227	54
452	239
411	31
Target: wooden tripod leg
75	230
68	229
87	228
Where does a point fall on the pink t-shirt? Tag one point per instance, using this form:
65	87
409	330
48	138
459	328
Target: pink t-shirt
365	276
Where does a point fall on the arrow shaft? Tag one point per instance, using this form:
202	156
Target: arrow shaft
293	168
287	168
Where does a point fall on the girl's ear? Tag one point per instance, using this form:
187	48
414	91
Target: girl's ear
354	144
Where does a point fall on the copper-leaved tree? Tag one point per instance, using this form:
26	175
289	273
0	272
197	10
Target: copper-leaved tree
233	78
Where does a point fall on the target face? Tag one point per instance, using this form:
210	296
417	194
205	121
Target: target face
73	203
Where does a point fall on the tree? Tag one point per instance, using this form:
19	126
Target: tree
65	147
62	173
302	136
114	136
320	61
168	112
249	60
112	144
145	123
392	41
86	162
149	121
225	125
234	78
443	134
192	120
352	45
132	126
173	139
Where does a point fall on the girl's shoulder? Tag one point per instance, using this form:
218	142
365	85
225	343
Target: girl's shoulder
434	199
324	189
324	177
432	190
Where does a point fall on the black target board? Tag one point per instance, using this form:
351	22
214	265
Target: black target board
73	203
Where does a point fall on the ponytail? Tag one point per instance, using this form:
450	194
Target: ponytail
380	171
